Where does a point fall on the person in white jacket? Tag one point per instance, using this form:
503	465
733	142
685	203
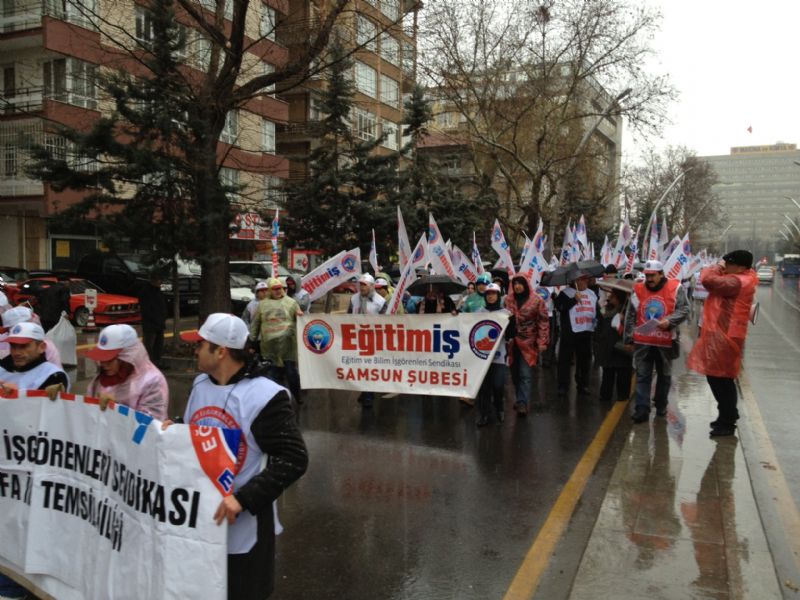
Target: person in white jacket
127	376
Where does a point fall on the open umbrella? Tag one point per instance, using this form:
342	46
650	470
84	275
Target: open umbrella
623	285
440	283
568	273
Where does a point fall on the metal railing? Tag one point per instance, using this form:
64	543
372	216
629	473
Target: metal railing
22	16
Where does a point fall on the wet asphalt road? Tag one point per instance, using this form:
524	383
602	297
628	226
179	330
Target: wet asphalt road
411	500
772	363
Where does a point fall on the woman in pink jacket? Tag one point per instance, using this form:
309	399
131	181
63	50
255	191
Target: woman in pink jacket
126	374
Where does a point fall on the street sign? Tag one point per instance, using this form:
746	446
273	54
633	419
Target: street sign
90	299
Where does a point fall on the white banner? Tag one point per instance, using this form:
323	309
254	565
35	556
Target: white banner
442	355
334	271
437	251
103	504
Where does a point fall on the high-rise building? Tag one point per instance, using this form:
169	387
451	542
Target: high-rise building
50	52
754	187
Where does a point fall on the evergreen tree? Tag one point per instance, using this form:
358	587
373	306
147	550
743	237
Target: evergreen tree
345	194
460	204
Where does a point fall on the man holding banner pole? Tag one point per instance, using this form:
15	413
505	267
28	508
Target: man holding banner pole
272	452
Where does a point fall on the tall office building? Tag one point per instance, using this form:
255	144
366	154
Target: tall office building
754	183
50	52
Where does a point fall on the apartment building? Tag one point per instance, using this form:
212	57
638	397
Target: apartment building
50	53
383	72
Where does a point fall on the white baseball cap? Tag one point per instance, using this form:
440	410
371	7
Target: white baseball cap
221	329
493	287
262	285
113	339
653	266
18	314
22	333
381	282
366	278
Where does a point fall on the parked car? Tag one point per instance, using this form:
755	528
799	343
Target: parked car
260	270
241	291
12	275
124	274
765	274
111	308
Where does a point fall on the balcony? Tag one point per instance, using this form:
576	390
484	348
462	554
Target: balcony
24	16
22	101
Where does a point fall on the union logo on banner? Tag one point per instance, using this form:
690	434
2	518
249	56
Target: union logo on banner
318	336
483	337
654	309
216	450
349	262
433	234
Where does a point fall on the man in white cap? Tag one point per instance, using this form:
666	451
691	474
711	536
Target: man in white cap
261	289
23	314
274	326
385	291
272	449
367	301
27	367
127	376
658	305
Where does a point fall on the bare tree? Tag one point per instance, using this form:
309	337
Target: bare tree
691	206
530	80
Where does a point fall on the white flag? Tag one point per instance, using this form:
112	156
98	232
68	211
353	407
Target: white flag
419	258
500	246
437	251
373	255
465	270
652	251
342	267
663	241
403	245
634	251
673	267
533	263
476	255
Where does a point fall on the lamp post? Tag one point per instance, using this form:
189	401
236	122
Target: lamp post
789	231
576	154
723	236
660	200
791	221
792	199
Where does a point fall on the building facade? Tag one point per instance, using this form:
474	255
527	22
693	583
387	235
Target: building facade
755	186
50	54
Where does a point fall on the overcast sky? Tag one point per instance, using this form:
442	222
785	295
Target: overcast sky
735	64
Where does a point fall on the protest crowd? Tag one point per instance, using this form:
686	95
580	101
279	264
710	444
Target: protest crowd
614	310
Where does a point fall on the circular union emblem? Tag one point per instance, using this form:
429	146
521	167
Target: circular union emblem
103	340
544	293
432	234
687	247
17	329
654	309
418	254
483	337
318	336
349	262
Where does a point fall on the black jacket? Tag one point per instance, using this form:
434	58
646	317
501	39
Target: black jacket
153	306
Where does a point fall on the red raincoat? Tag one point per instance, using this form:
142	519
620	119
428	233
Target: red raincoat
533	326
718	352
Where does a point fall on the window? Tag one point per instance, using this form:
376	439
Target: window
390	8
268	136
9	162
268	69
390	49
70	80
364	124
202	53
144	24
273	191
9	84
408	57
390	131
314	109
229	178
390	91
79	13
366	79
366	32
228	9
231	129
268	23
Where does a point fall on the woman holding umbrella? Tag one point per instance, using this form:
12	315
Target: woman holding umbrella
577	307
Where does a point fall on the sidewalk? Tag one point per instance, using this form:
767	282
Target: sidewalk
679	519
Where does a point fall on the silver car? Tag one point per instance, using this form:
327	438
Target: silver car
765	275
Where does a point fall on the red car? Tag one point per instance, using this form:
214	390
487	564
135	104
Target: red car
111	308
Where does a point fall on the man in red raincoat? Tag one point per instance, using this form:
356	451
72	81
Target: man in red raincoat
717	354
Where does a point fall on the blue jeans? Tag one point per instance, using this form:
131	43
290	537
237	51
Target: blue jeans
492	393
645	359
523	376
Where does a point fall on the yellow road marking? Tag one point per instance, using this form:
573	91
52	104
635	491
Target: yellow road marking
780	493
538	557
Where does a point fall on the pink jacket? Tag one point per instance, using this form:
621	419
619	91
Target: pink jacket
145	390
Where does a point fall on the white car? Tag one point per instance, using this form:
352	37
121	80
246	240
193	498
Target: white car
765	275
241	291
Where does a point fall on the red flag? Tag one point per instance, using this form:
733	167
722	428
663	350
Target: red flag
750	129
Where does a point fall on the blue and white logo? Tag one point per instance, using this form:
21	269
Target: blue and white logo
318	336
483	337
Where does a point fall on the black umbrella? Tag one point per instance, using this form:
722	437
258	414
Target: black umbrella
623	285
439	283
566	274
592	268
